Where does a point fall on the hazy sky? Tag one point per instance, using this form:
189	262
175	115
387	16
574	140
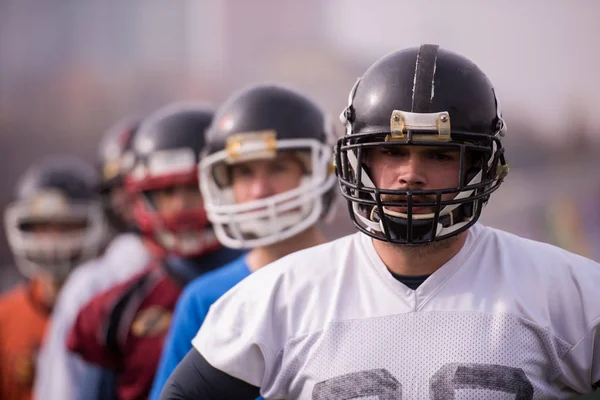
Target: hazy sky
542	55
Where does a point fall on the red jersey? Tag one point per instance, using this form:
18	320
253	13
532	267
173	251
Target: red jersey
124	328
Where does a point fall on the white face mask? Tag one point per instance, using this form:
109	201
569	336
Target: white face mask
55	256
275	218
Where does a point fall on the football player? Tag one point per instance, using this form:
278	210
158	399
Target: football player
123	328
61	374
55	224
266	178
423	302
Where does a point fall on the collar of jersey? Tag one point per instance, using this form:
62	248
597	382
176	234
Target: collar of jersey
415	299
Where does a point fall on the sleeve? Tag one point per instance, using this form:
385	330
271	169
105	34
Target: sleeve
594	339
189	315
581	313
86	337
195	378
244	331
583	362
59	371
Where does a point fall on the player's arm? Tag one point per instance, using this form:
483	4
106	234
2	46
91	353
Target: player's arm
583	359
595	334
581	364
239	343
86	337
187	319
195	378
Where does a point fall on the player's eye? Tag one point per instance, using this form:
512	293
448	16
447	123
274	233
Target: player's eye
279	167
242	171
393	151
442	155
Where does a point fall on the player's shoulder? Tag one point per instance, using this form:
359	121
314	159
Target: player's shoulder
552	282
12	293
323	257
314	263
106	307
82	277
303	270
216	281
534	255
290	296
77	290
125	247
111	294
11	299
124	242
202	292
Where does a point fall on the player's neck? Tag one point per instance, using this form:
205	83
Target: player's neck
261	256
44	290
419	260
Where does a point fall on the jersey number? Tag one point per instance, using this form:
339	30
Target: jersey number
381	384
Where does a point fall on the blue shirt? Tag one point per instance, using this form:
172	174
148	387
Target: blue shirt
190	312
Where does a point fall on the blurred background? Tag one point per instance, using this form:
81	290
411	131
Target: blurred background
69	69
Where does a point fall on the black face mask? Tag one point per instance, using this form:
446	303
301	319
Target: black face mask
422	229
398	228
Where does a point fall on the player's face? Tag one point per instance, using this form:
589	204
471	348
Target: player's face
259	179
414	168
173	200
120	201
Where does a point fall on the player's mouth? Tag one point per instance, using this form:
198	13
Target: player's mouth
416	209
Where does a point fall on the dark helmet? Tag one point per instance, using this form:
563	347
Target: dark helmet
167	147
115	159
56	190
422	96
256	123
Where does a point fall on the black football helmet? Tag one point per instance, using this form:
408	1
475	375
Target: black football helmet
56	190
423	96
256	123
115	159
166	147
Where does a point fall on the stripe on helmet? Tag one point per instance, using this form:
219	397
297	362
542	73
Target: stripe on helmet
423	84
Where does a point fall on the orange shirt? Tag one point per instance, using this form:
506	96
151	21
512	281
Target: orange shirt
23	318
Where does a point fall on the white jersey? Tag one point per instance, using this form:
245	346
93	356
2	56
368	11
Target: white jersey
505	318
61	374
